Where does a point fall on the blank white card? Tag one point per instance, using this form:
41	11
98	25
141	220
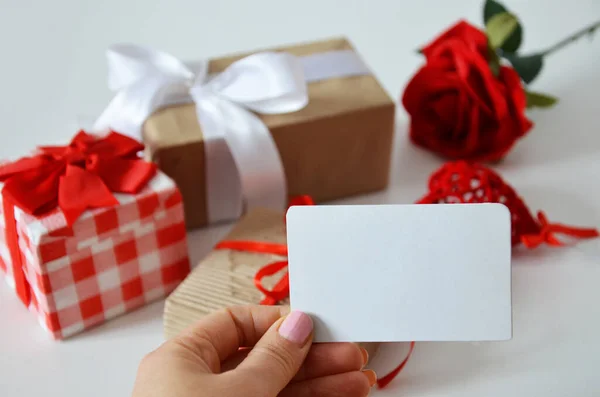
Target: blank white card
391	273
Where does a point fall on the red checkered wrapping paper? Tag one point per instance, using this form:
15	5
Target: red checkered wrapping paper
111	261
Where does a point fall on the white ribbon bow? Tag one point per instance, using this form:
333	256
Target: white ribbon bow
146	80
242	163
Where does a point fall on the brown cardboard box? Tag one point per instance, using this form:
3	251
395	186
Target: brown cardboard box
338	145
225	277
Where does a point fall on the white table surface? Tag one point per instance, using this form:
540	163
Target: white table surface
52	69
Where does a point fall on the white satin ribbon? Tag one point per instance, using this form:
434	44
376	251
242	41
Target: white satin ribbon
243	166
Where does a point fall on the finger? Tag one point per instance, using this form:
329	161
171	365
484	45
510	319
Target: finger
217	336
322	360
349	384
331	359
277	356
234	360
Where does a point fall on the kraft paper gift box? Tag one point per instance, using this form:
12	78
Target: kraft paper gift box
337	145
109	261
226	277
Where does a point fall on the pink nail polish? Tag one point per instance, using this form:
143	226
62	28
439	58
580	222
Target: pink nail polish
296	327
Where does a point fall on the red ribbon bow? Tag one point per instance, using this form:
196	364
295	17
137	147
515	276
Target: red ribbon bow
281	290
75	177
549	230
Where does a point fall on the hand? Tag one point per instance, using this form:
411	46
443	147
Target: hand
280	360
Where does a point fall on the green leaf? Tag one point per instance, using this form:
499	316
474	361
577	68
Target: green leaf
539	100
500	27
491	8
494	61
513	42
528	67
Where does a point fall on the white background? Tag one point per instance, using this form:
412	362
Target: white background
52	69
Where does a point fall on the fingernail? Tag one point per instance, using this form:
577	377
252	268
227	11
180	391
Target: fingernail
365	355
371	376
296	327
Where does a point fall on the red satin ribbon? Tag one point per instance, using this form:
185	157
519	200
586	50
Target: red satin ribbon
75	177
281	290
549	230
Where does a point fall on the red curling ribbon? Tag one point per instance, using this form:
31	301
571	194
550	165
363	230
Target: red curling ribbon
549	230
281	290
253	246
384	381
74	178
301	200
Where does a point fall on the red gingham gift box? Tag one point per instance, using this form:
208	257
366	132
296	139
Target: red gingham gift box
111	260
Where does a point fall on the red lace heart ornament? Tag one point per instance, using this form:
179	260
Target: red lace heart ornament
463	182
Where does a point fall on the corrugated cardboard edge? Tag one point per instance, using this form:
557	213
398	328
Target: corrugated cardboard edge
224	278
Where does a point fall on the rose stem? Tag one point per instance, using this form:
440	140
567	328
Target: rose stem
587	30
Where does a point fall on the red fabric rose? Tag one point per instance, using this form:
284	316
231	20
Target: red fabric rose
458	108
469	35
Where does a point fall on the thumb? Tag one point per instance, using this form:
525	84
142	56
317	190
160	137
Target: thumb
278	355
